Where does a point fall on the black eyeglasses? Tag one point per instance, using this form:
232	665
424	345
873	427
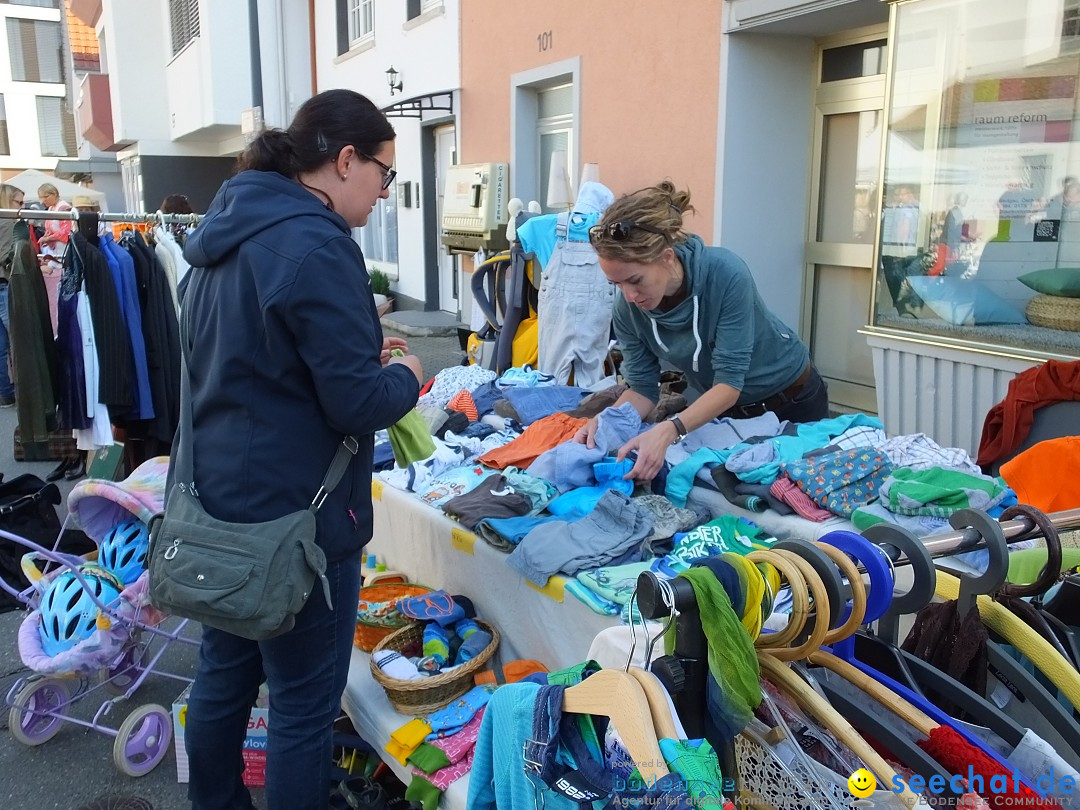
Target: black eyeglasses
620	231
390	173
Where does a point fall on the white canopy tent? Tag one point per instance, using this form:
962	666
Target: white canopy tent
31	179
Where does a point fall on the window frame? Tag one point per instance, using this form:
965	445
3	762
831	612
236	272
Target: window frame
19	70
355	14
66	127
5	140
185	25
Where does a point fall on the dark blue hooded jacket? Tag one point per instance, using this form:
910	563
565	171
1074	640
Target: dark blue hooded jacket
284	345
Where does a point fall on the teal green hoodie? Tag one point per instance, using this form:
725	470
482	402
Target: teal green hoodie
720	333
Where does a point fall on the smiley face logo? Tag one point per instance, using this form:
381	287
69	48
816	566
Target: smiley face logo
861	783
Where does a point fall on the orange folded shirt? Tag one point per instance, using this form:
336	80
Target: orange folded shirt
539	437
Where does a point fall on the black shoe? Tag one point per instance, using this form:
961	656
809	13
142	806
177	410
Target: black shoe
76	471
60	469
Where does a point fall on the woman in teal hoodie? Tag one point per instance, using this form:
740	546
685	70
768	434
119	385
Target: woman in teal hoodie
695	308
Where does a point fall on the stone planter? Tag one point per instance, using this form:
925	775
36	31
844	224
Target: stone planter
383	304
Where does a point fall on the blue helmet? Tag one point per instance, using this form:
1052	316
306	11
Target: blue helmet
68	612
123	550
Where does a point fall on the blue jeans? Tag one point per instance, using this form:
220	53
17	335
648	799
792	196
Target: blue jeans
7	388
306	670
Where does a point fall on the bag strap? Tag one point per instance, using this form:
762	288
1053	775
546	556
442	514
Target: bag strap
185	472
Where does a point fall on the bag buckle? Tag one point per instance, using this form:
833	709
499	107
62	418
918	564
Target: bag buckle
320	497
351	444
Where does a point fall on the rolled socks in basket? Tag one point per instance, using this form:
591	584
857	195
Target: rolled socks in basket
396	666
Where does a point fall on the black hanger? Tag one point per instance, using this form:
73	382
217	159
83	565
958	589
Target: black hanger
889	735
1006	669
1065	602
835	589
1014	597
880	650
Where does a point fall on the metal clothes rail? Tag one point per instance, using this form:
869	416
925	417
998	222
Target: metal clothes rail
150	218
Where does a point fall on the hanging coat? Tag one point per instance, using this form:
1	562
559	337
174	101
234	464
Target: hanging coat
32	349
110	330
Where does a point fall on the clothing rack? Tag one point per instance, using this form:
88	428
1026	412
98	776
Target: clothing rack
150	218
961	540
684	672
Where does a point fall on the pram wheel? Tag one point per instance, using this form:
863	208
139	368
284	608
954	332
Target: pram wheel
29	720
120	678
143	740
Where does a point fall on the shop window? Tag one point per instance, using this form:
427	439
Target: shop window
34	49
5	146
56	127
980	215
555	133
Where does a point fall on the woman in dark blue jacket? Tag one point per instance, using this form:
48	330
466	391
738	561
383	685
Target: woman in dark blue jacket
286	358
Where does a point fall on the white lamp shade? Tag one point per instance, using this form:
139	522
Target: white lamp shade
559	192
590	173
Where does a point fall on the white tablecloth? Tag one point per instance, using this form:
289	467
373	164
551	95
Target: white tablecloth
550	626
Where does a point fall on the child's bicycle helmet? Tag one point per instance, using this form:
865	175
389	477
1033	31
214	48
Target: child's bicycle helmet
123	550
68	612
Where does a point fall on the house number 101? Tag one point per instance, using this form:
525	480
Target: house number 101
543	41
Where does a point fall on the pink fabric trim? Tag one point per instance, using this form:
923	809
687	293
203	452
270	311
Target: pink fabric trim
784	489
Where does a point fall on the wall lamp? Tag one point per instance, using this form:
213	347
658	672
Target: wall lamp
393	78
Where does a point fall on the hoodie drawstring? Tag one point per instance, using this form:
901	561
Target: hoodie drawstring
697	335
656	334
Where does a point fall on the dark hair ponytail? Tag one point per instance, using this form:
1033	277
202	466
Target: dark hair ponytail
323	125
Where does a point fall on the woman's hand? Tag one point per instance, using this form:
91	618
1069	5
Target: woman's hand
651	447
586	434
388	345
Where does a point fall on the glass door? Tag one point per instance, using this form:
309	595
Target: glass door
845	200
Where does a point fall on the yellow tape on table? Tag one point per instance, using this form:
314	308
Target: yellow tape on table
462	539
1015	631
555	588
376	489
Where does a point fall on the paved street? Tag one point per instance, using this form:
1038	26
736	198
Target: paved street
76	766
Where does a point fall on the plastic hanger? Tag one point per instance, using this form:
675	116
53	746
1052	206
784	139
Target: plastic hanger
891	736
1014	596
618	696
881	653
1006	668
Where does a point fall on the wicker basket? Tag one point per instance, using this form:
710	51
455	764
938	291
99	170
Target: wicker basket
368	634
1054	312
425	695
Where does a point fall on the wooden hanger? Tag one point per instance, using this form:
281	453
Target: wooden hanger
659	707
800	599
619	696
813	703
799	574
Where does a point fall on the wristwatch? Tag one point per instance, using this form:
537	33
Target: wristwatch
679	426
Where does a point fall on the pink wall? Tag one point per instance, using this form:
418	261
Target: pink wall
649	83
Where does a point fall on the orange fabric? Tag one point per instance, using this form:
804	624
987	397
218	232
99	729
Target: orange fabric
513	671
463	401
1047	476
538	437
1009	422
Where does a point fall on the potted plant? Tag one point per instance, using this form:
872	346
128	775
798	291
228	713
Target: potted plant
380	288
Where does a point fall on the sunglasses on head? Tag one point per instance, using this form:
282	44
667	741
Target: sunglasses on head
620	231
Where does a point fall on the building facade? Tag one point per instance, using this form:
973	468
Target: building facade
405	57
36	123
180	79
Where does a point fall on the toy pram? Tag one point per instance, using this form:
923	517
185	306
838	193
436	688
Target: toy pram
118	654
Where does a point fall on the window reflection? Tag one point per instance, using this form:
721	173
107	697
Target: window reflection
980	216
